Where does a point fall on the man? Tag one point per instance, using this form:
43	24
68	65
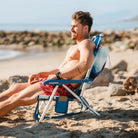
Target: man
78	60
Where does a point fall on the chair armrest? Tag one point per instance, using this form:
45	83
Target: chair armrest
60	82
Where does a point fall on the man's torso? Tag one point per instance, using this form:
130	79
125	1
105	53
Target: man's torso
72	58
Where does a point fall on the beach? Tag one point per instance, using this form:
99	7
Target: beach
28	66
119	114
32	64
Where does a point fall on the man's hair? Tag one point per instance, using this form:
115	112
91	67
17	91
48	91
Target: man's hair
84	18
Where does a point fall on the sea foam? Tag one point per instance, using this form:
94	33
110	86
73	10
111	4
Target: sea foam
8	54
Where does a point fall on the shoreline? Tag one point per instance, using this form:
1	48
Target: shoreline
29	52
27	65
8	54
32	64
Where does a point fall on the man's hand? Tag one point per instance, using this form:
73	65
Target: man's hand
53	76
33	78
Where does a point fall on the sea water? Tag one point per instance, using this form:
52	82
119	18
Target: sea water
99	26
9	54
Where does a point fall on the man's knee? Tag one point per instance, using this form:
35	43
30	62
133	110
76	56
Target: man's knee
12	101
19	86
13	98
15	85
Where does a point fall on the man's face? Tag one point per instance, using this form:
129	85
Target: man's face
76	30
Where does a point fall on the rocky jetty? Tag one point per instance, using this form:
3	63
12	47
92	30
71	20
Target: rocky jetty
39	38
121	39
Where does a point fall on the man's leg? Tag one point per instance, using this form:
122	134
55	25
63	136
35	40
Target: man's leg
14	88
25	97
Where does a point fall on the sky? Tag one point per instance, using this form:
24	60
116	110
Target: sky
42	11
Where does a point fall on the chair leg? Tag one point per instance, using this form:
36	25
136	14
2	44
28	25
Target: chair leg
89	107
75	95
48	104
42	103
93	111
82	100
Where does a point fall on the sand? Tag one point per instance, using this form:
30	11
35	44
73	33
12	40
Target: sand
28	65
119	114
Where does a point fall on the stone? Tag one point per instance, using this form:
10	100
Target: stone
4	85
120	77
119	40
121	66
18	79
116	90
104	78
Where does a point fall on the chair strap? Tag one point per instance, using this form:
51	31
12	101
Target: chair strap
97	40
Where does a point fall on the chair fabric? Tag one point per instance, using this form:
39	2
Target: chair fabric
97	66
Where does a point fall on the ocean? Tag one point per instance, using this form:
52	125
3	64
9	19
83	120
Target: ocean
99	26
9	54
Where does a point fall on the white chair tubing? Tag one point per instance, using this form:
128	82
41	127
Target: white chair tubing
49	102
81	100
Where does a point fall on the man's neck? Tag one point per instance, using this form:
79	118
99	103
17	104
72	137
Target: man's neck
82	38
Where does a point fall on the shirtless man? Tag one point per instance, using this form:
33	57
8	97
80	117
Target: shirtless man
78	60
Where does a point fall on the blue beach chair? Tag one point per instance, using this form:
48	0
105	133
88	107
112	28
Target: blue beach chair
61	102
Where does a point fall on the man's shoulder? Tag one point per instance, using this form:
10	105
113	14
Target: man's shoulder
87	43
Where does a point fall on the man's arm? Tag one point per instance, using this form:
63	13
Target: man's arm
34	78
86	49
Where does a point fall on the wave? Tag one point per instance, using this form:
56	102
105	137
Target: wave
9	54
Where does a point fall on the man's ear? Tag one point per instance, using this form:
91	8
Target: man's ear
86	27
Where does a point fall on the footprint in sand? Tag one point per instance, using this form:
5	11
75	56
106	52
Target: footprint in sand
123	99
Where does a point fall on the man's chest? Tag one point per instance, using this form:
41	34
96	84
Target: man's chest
74	53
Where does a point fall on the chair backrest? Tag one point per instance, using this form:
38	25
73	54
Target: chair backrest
97	39
100	56
98	63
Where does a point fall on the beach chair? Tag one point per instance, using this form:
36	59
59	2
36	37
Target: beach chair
61	102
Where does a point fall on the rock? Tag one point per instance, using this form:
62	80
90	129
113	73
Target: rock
18	79
104	78
131	84
31	43
120	77
133	43
116	90
119	45
4	85
117	39
121	66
